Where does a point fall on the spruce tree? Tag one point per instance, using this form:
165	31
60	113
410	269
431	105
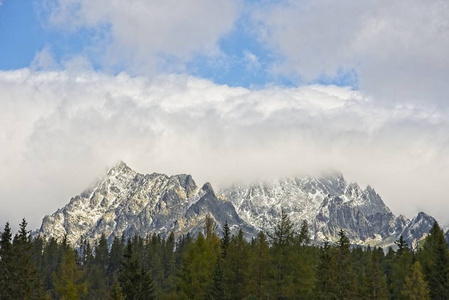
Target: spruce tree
116	292
435	259
415	287
6	263
258	285
69	279
376	281
169	263
401	264
96	269
51	261
346	283
115	259
26	282
135	281
303	263
195	276
217	289
225	240
326	287
236	266
282	242
303	237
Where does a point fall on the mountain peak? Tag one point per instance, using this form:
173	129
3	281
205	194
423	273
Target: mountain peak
119	167
207	188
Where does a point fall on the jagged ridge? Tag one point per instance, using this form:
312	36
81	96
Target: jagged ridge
126	202
129	203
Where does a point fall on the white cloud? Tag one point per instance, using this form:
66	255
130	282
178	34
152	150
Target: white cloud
59	130
251	60
44	60
398	49
148	34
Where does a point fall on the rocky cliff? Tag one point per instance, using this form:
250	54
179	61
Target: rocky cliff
125	202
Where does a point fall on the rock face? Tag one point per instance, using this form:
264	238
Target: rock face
129	203
126	202
328	203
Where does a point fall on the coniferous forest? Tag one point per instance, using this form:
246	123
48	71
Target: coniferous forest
279	265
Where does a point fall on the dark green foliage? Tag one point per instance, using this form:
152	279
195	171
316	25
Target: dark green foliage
236	266
217	290
282	241
19	277
195	276
327	269
434	257
225	240
303	237
400	267
207	267
116	292
68	280
135	281
346	277
6	264
415	287
115	259
376	287
258	285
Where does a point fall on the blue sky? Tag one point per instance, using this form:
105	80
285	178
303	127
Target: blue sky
25	30
226	90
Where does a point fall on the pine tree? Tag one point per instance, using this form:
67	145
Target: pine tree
115	259
153	259
195	277
303	237
376	280
259	268
169	263
26	282
225	240
236	265
435	260
135	281
68	280
401	264
217	290
303	262
327	268
96	269
346	287
116	292
6	263
282	242
51	262
415	287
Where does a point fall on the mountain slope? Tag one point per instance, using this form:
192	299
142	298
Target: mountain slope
328	203
126	202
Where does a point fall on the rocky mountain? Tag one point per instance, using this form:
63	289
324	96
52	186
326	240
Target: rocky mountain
125	202
129	203
328	203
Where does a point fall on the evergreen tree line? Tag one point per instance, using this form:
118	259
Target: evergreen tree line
278	265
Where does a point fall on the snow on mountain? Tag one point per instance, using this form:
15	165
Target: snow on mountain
125	202
328	203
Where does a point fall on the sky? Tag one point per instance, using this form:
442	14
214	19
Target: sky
226	90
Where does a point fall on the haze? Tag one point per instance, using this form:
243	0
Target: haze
228	91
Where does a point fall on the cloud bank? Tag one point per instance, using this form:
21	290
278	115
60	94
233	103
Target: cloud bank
398	50
60	130
147	36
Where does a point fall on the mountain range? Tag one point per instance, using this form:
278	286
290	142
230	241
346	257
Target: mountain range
124	202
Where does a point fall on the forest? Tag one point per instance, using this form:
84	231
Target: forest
282	264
